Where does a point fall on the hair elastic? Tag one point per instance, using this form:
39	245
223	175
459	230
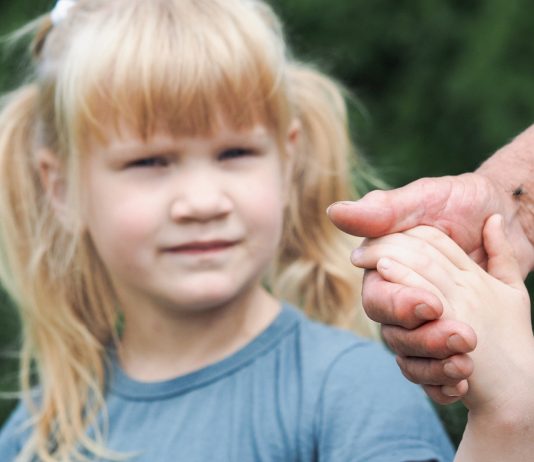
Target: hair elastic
61	10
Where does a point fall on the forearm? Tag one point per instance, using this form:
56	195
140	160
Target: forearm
496	439
502	428
511	170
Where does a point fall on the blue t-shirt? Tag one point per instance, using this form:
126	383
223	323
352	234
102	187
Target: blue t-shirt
300	391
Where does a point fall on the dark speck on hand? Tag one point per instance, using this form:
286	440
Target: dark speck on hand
518	192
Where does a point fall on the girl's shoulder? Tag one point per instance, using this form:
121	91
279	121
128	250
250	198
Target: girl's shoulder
356	388
339	361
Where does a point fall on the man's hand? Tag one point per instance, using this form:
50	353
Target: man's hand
432	350
457	205
429	352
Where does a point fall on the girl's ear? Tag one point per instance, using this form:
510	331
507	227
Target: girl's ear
52	177
293	137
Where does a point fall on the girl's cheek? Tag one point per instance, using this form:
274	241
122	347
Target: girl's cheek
124	217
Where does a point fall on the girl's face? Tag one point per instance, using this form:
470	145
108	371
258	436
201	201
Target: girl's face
186	223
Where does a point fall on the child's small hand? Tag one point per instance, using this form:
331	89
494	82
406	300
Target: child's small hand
495	304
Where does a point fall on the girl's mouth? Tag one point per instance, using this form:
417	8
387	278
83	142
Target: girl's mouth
201	247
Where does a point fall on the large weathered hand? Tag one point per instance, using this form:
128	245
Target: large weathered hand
459	206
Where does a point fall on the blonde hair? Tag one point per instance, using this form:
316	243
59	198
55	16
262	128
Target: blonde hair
144	63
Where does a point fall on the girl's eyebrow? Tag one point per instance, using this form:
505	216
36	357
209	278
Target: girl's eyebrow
126	147
168	144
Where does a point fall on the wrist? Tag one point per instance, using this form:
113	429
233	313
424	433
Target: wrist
500	394
512	416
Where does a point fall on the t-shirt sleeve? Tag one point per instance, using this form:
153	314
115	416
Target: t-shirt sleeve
13	434
368	411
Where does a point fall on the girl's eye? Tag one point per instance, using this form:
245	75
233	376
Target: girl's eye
149	162
235	153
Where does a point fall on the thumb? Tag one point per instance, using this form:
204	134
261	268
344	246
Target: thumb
384	212
502	263
371	216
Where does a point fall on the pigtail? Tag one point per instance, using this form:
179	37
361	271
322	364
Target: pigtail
20	192
62	336
313	268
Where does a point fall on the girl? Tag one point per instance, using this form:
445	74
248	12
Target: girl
496	304
166	163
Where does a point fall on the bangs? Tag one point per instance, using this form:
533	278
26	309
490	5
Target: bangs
183	66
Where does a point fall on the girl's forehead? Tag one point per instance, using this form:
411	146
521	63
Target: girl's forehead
127	137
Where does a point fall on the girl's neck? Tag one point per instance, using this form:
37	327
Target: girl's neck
157	346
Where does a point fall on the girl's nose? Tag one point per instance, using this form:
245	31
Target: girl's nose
201	199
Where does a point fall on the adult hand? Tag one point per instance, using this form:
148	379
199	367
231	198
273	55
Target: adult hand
459	206
430	352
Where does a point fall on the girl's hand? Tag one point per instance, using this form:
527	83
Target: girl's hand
495	304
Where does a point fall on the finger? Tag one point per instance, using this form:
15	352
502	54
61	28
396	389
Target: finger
415	253
436	339
398	273
368	217
444	244
502	263
440	372
455	391
396	304
385	212
436	394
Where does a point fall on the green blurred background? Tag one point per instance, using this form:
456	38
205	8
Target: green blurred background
440	85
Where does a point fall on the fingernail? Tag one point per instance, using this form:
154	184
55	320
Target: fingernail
456	343
425	312
450	369
356	256
340	204
450	390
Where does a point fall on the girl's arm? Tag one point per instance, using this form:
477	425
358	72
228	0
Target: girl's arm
500	402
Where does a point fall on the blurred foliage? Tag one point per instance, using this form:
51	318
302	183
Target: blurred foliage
440	85
443	83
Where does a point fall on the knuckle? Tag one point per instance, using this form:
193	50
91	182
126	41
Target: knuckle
428	372
371	305
406	373
423	374
390	336
388	303
425	259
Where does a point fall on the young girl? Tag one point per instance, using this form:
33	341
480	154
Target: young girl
496	304
165	166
